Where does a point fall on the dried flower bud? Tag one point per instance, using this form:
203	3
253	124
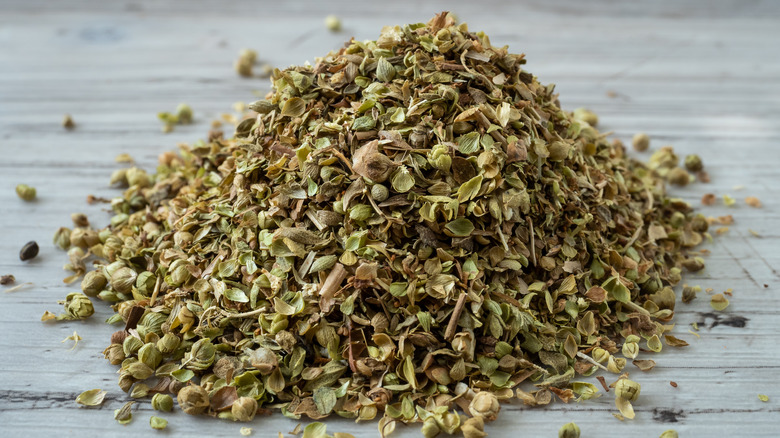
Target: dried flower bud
79	219
485	404
630	350
91	238
140	390
243	67
109	296
439	157
175	386
689	293
178	273
25	192
263	360
208	380
699	224
131	345
184	114
569	430
693	264
663	158
162	402
693	163
139	370
119	176
7	279
145	283
137	177
77	237
449	422
227	366
430	428
439	374
62	238
641	141
201	356
182	239
474	427
677	219
193	399
126	381
114	353
93	283
627	389
376	166
168	343
599	354
333	23
678	176
586	116
78	306
150	355
286	340
185	316
380	396
244	409
379	192
67	122
559	151
122	280
616	364
464	343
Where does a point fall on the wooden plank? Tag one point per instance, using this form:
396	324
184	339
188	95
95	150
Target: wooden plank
702	79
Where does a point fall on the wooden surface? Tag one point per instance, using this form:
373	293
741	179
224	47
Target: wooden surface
704	79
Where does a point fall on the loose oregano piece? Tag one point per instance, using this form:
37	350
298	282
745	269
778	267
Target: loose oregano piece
92	397
408	229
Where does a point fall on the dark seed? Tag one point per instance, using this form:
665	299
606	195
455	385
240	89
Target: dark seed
29	251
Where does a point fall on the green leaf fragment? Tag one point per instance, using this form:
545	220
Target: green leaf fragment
460	227
93	397
158	423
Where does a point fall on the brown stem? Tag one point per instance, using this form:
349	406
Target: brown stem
157	286
453	324
533	242
350	357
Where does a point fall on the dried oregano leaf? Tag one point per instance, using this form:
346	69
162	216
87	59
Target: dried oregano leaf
719	302
93	397
625	407
294	107
158	423
675	342
644	364
315	430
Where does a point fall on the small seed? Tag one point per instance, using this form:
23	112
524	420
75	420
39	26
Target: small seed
29	251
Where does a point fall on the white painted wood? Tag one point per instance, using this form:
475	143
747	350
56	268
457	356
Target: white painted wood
704	77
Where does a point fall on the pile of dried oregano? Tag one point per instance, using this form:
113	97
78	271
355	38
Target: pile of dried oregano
407	230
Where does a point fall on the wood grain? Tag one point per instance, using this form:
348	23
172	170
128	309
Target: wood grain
703	78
